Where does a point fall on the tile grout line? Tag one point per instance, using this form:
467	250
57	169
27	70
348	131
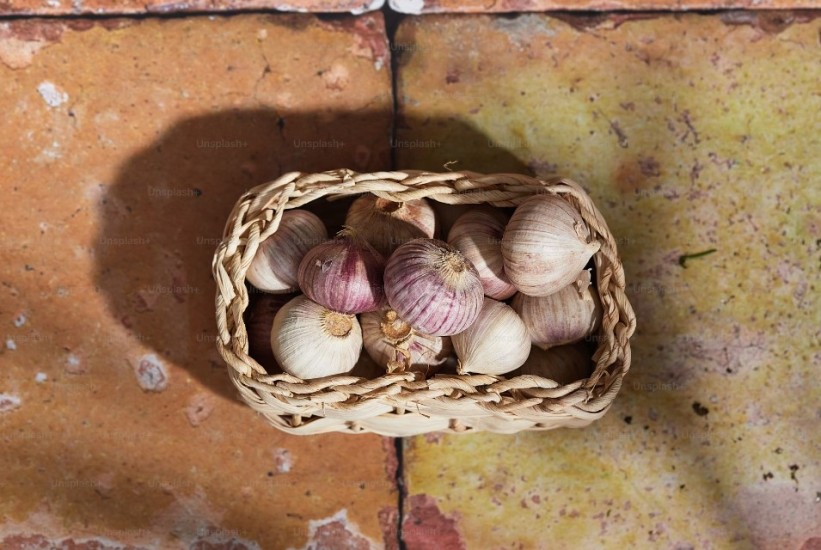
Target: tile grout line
389	13
392	21
400	490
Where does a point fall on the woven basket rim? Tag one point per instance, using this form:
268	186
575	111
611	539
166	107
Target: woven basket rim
291	403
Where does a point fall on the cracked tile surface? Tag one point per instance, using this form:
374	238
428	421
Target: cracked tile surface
125	144
691	133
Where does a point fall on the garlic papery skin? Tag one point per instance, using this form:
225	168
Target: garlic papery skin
563	364
498	342
311	341
397	347
387	225
344	274
563	317
545	245
478	235
433	287
276	262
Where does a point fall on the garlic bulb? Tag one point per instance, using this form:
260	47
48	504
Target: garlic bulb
276	262
259	319
310	341
432	286
498	342
563	364
563	317
387	224
545	245
394	345
344	274
478	235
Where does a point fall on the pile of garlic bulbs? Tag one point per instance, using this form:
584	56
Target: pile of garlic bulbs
505	295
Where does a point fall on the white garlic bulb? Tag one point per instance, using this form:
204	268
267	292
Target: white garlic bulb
545	245
563	317
478	235
397	347
496	343
275	265
563	364
311	341
387	224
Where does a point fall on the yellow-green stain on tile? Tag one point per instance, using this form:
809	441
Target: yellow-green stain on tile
690	134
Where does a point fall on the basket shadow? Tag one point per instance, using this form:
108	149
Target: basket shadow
164	215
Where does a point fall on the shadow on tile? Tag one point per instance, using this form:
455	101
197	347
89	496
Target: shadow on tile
128	495
165	214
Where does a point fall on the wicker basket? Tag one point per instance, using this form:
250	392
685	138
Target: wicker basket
400	404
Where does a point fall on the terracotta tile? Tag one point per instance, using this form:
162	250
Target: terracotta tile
125	145
87	7
482	6
691	133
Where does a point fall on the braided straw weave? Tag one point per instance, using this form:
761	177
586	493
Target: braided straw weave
400	404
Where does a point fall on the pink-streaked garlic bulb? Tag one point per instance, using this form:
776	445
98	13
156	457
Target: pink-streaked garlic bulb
387	225
478	235
433	287
344	274
276	263
545	245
